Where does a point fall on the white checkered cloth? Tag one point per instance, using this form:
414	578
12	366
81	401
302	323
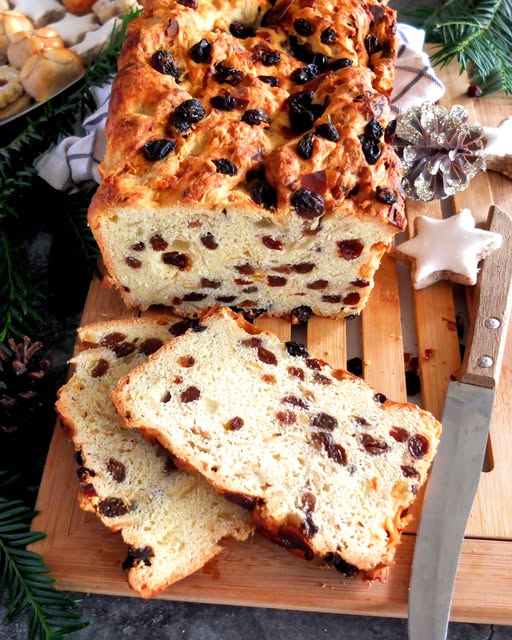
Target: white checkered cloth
75	159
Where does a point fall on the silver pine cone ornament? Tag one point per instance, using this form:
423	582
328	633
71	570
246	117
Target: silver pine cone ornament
438	149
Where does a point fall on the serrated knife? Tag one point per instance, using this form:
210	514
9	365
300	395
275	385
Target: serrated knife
457	466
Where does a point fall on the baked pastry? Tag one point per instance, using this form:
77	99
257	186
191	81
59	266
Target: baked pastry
247	161
173	521
28	43
45	74
326	465
78	7
10	23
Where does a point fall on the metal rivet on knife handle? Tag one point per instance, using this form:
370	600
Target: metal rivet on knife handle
485	362
492	323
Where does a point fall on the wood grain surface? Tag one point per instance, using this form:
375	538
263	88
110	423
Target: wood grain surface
86	557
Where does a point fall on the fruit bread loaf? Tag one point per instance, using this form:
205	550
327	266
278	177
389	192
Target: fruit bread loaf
248	159
326	465
173	521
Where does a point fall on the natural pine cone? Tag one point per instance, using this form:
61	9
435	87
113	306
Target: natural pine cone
438	149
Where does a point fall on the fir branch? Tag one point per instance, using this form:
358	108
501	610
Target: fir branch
477	33
24	577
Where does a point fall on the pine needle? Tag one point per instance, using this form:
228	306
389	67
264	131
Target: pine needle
478	34
24	579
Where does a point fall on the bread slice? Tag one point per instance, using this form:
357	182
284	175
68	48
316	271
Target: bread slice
247	160
173	521
326	465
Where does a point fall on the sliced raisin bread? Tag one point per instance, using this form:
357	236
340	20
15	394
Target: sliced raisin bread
247	159
326	465
173	521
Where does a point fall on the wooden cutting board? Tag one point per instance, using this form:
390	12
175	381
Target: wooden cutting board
86	557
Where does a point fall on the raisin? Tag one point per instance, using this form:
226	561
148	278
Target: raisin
234	424
265	55
255	117
302	112
301	314
360	421
190	394
206	283
135	556
320	60
349	249
252	342
305	146
84	474
247	269
341	565
303	27
225	299
225	166
242	31
318	284
371	148
186	361
290	537
295	402
158	243
318	378
371	44
372	445
163	62
227	75
270	80
176	259
87	489
380	398
276	281
296	349
138	246
194	296
399	434
267	356
308	204
264	194
242	282
333	298
150	345
158	149
352	298
409	472
324	421
191	4
179	328
303	267
201	51
112	339
116	469
272	243
360	283
186	114
385	195
208	240
286	417
328	36
327	131
275	15
241	499
303	75
418	446
132	262
100	368
112	507
250	289
296	372
224	102
123	349
374	129
339	63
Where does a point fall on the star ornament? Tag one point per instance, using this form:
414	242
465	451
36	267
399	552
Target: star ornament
448	249
497	151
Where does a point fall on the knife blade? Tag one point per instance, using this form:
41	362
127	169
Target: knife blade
455	472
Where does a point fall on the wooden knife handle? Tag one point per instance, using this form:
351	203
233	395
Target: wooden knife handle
493	302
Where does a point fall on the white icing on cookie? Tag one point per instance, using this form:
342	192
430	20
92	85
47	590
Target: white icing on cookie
499	139
448	249
94	41
40	11
73	29
106	9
